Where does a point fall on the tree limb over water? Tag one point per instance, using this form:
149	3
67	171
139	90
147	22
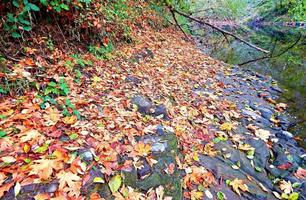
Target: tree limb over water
224	32
271	55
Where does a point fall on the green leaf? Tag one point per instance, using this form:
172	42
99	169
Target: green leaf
15	3
296	185
98	180
220	196
16	35
27	160
27	28
52	84
44	2
11	18
33	7
258	169
73	136
42	149
64	6
115	183
23	21
294	196
2	134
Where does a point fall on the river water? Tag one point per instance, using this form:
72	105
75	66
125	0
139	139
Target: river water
288	65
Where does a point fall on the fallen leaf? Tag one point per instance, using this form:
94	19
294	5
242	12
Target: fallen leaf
44	168
70	119
17	188
8	159
263	134
238	185
115	183
286	186
67	179
226	126
300	173
29	135
142	149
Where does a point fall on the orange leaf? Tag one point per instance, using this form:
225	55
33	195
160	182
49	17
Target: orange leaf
70	120
44	168
4	188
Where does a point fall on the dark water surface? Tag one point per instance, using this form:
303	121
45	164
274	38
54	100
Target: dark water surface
288	65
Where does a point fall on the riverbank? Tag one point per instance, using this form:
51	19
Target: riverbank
159	120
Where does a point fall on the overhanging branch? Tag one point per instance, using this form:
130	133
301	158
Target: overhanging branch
224	32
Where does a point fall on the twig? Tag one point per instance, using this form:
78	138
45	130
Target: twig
8	56
222	31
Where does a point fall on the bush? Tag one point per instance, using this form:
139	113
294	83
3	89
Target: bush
78	19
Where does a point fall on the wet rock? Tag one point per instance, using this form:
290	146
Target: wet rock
284	122
160	130
159	146
133	79
144	170
223	171
161	110
261	154
143	104
251	114
266	113
86	155
50	188
239	157
284	135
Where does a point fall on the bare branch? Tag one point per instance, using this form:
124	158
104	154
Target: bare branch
222	31
176	22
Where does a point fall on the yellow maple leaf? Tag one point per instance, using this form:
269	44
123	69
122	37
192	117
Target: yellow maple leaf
44	168
196	195
238	185
226	126
142	149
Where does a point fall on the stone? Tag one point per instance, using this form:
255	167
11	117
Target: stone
50	188
160	130
161	110
251	114
266	113
87	156
133	79
284	135
143	104
261	154
144	170
159	146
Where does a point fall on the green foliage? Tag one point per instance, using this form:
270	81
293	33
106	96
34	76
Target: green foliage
60	88
102	52
2	134
296	9
20	17
69	109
